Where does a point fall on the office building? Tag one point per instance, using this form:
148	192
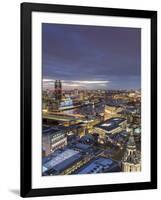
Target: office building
53	139
110	126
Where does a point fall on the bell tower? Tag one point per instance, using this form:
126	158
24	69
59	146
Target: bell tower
131	161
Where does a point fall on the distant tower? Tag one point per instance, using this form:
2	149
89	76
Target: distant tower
58	90
131	161
93	109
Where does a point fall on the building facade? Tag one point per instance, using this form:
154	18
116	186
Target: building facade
53	140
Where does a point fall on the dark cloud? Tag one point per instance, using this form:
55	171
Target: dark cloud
78	52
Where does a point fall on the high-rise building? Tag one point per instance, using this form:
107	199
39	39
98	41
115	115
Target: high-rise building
131	161
93	109
58	90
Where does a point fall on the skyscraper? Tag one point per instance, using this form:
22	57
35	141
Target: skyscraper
58	90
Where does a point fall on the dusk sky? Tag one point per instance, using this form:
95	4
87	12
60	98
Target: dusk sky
91	57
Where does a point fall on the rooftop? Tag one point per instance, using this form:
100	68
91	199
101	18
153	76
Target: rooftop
50	130
99	165
82	146
53	129
62	160
111	123
115	102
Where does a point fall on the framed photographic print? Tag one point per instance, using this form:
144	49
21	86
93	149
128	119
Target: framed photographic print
88	99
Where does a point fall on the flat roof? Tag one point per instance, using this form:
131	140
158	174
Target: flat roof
60	158
53	129
82	146
50	130
98	165
111	123
92	168
67	163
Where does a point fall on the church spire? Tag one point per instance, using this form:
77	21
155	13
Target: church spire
131	158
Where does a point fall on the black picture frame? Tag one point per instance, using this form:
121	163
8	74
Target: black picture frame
26	105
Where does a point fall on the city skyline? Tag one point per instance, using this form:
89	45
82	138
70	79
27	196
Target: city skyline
91	57
91	100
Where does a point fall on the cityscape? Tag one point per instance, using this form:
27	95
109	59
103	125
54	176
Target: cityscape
91	122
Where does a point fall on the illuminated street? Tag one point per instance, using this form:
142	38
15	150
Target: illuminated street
92	130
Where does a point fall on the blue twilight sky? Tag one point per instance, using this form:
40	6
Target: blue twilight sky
92	57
